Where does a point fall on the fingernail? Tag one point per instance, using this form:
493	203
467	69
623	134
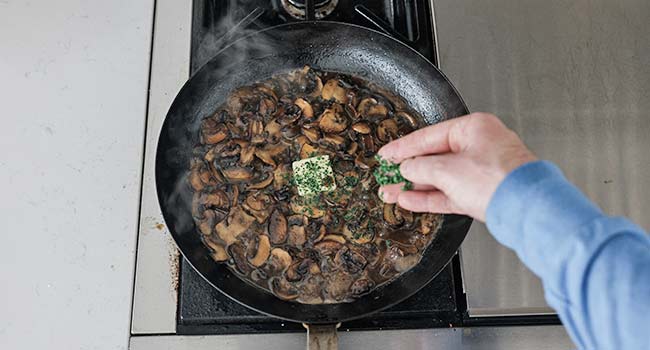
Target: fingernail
387	197
382	153
405	166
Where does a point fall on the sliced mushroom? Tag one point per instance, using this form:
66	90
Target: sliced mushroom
338	285
256	132
350	260
335	238
361	162
262	252
360	235
265	157
254	202
231	148
361	286
197	207
350	111
334	142
213	132
235	130
206	225
296	236
328	247
280	259
206	176
361	127
322	231
267	153
369	107
408	119
299	269
403	214
333	90
247	154
261	184
235	194
281	176
307	81
238	254
255	128
352	148
195	179
293	273
238	99
332	120
218	251
430	223
267	90
258	205
389	215
308	150
291	131
259	275
272	131
368	144
290	115
318	87
237	222
282	289
305	107
267	107
238	174
278	227
214	172
387	130
215	199
312	134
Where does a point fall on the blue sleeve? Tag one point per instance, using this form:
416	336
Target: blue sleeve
595	268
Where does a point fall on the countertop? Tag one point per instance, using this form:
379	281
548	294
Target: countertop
73	81
74	76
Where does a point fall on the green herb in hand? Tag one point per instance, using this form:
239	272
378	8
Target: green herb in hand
387	173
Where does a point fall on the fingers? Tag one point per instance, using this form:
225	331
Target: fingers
438	171
427	202
430	140
389	193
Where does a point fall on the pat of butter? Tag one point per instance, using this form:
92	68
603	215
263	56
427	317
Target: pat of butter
313	175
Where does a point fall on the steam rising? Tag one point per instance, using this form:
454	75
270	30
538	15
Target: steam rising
232	32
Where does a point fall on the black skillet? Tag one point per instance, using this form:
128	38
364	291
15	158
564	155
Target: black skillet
328	46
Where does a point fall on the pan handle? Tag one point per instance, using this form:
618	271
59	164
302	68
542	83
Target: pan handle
322	336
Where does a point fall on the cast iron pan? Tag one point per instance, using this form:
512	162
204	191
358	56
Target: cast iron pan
328	46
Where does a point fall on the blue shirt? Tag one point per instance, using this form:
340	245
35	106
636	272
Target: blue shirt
595	268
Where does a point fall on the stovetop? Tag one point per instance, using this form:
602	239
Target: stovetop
217	23
204	310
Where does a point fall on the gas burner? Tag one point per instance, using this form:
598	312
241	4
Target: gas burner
298	8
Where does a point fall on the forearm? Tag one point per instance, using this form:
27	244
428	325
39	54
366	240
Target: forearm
578	253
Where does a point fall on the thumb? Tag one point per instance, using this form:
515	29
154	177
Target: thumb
441	171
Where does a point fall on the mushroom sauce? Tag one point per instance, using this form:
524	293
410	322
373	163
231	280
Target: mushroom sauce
330	247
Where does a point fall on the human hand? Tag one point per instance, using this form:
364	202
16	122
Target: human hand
455	166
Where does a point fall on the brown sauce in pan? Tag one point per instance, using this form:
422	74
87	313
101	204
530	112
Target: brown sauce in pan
327	248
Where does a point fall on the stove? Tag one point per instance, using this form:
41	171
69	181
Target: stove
216	23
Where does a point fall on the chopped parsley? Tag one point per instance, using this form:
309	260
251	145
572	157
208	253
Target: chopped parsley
387	173
351	181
